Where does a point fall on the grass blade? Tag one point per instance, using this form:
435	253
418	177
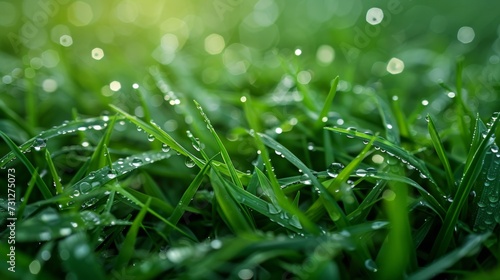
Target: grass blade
438	146
470	175
79	260
328	102
127	248
20	155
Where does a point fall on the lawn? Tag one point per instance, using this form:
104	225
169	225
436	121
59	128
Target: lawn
231	139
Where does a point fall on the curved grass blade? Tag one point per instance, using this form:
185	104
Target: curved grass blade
272	182
31	185
223	151
315	209
438	146
440	265
100	177
127	248
328	102
53	172
79	259
17	152
64	129
98	159
485	207
188	195
400	153
390	123
233	213
334	209
471	173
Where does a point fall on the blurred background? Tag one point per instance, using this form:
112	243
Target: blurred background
89	53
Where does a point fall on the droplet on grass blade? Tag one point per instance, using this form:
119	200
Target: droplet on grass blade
39	144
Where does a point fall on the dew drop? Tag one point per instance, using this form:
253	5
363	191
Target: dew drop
39	144
136	162
361	172
352	130
111	174
151	138
371	265
85	187
294	221
273	209
310	146
334	169
165	148
189	162
304	179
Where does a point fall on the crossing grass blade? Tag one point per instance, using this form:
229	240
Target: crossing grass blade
223	151
15	151
231	211
438	146
79	258
188	195
66	128
472	170
328	102
397	151
53	172
440	265
127	248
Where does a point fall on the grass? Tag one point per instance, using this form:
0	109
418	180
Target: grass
287	170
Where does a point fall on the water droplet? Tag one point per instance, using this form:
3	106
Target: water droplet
378	225
197	145
151	138
310	146
76	193
39	144
334	169
371	265
216	244
136	162
165	148
111	174
353	130
361	172
304	179
494	148
189	162
81	251
85	187
49	217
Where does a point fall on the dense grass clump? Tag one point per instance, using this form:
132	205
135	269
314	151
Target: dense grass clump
222	156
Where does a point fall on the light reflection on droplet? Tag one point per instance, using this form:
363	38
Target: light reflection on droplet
298	52
97	53
115	86
395	66
374	16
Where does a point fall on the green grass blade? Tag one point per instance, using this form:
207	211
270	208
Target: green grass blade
53	172
98	159
20	155
397	151
188	195
338	213
127	248
390	123
445	262
79	259
31	185
223	151
438	146
469	177
64	129
485	209
328	102
230	210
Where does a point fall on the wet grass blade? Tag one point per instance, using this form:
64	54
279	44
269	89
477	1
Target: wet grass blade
223	151
438	146
79	259
390	123
328	102
230	210
188	195
403	155
53	172
445	262
127	248
98	159
20	155
31	185
64	129
471	173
